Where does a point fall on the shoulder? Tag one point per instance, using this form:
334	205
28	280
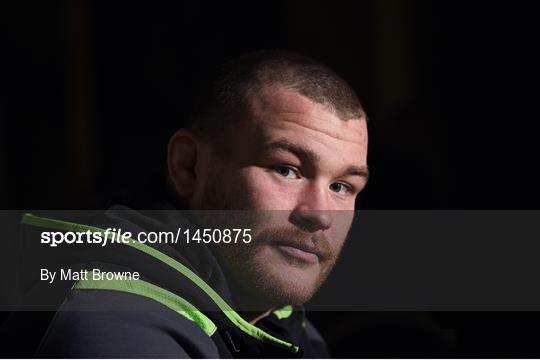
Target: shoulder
101	323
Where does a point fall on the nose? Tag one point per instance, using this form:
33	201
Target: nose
313	212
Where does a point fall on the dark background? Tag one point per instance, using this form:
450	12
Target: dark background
91	91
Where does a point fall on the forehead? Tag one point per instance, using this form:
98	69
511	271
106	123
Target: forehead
279	113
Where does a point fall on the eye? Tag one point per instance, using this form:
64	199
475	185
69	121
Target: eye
340	188
286	171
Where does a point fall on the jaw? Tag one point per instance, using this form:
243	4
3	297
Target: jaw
278	280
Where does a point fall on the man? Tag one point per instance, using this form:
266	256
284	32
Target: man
279	138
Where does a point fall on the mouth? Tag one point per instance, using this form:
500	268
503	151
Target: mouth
304	253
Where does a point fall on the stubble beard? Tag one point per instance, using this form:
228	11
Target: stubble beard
256	284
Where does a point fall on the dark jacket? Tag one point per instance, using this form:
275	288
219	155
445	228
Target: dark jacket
181	307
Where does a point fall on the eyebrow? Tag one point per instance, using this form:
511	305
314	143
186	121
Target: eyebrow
308	155
362	171
300	151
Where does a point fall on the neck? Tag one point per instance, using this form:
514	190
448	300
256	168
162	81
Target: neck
253	316
250	308
252	311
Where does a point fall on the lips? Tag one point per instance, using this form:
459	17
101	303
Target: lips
300	251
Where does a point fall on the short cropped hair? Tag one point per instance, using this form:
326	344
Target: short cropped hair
227	97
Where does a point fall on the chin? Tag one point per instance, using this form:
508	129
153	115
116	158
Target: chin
295	292
285	283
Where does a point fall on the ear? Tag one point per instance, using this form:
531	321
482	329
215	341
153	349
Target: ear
182	159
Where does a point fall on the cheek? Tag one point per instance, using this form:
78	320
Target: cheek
342	221
341	225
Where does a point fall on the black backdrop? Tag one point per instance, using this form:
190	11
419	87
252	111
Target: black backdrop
91	91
